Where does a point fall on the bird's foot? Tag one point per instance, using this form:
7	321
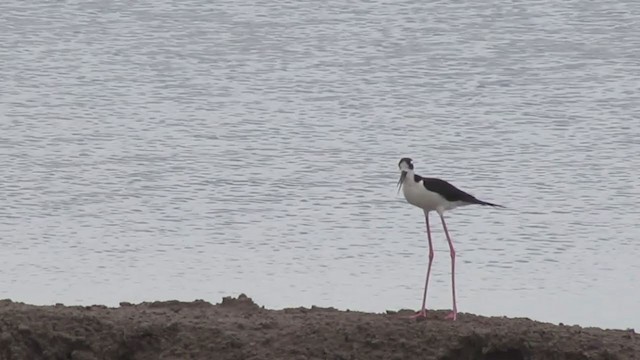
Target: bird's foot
451	316
422	314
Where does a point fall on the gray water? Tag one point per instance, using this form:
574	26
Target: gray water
183	150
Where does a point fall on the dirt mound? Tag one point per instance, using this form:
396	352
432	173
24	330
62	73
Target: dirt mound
237	328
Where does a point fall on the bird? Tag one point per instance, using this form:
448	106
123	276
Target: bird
433	194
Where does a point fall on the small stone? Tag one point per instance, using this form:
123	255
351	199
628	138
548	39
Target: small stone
24	328
374	343
5	338
82	355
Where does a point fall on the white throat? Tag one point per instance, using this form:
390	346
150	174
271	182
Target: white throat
410	177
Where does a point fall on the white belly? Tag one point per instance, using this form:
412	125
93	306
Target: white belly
416	194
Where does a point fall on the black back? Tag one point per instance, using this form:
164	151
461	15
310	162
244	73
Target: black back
448	191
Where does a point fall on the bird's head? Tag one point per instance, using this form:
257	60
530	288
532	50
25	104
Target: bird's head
404	165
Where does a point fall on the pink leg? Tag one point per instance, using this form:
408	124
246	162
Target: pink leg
452	251
423	312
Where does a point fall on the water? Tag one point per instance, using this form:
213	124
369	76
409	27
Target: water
162	150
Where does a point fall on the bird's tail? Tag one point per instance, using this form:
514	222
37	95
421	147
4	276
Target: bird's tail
486	203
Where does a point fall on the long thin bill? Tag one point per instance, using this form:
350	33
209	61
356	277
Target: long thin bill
401	181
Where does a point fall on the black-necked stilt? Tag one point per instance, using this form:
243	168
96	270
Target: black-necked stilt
431	194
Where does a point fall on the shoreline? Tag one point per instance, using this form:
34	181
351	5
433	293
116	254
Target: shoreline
237	328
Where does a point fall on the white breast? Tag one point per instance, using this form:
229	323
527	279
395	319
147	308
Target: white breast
416	194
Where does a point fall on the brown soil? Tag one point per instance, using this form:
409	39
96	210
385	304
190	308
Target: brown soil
239	329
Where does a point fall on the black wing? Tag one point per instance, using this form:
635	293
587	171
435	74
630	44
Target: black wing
450	192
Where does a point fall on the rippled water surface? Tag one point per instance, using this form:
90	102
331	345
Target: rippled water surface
194	149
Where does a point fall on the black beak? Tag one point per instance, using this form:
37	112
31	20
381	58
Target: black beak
402	177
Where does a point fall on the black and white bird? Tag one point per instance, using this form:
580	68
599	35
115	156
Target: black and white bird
431	194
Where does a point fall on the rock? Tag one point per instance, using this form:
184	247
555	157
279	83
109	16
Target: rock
82	355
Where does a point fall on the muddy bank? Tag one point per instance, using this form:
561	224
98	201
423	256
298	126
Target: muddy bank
239	329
